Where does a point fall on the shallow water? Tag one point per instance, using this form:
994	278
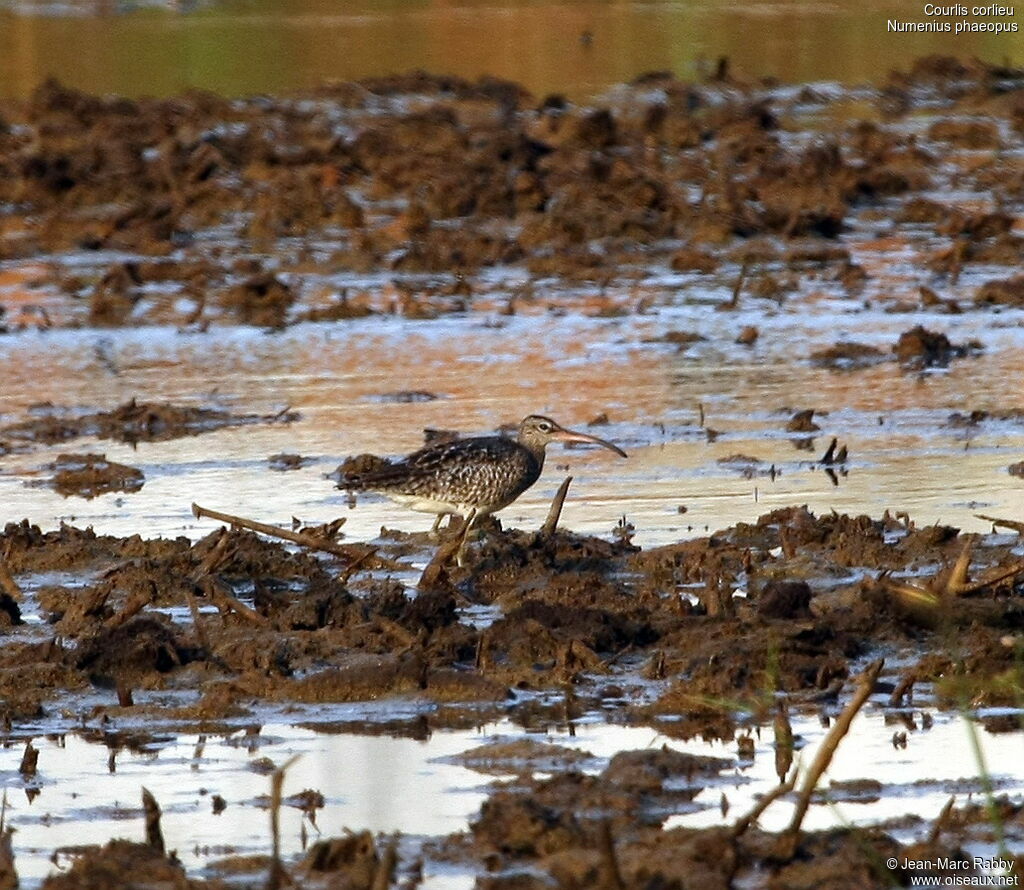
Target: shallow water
904	455
240	47
87	788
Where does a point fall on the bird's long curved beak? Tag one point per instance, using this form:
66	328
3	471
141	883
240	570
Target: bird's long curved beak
572	436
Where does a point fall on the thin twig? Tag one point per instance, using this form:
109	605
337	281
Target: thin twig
866	682
548	529
136	602
765	801
1011	524
301	538
214	557
277	871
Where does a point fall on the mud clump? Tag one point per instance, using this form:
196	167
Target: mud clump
90	475
122	864
131	423
921	348
784	599
1005	292
263	300
415	175
137	649
846	356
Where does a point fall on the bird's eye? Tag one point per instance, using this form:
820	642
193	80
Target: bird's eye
544	427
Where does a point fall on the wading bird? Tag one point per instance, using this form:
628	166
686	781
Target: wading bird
471	477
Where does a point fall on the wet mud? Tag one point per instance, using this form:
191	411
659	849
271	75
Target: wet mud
430	183
740	621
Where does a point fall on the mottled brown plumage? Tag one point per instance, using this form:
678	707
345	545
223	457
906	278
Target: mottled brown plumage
480	475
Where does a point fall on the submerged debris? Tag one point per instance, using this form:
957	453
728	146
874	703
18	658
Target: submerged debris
90	475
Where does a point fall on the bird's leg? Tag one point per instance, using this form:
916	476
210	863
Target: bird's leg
470	522
435	529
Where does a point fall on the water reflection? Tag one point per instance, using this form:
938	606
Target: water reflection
86	792
240	47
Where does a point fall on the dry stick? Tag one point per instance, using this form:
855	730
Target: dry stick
787	844
29	760
136	602
548	528
300	538
277	871
763	803
355	564
1011	524
220	597
154	836
957	579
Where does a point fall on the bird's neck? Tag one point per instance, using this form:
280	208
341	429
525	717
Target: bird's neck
536	452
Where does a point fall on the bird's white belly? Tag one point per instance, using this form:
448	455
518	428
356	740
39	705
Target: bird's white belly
430	505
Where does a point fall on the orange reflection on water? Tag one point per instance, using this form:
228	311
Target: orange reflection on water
578	48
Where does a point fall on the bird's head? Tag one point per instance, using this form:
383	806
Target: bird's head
536	432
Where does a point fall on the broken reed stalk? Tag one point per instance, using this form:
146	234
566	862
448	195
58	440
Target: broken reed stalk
301	538
866	682
765	801
29	760
151	809
213	558
444	553
734	302
902	689
355	564
940	821
551	523
277	871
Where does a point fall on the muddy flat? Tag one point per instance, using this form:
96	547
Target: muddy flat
768	649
